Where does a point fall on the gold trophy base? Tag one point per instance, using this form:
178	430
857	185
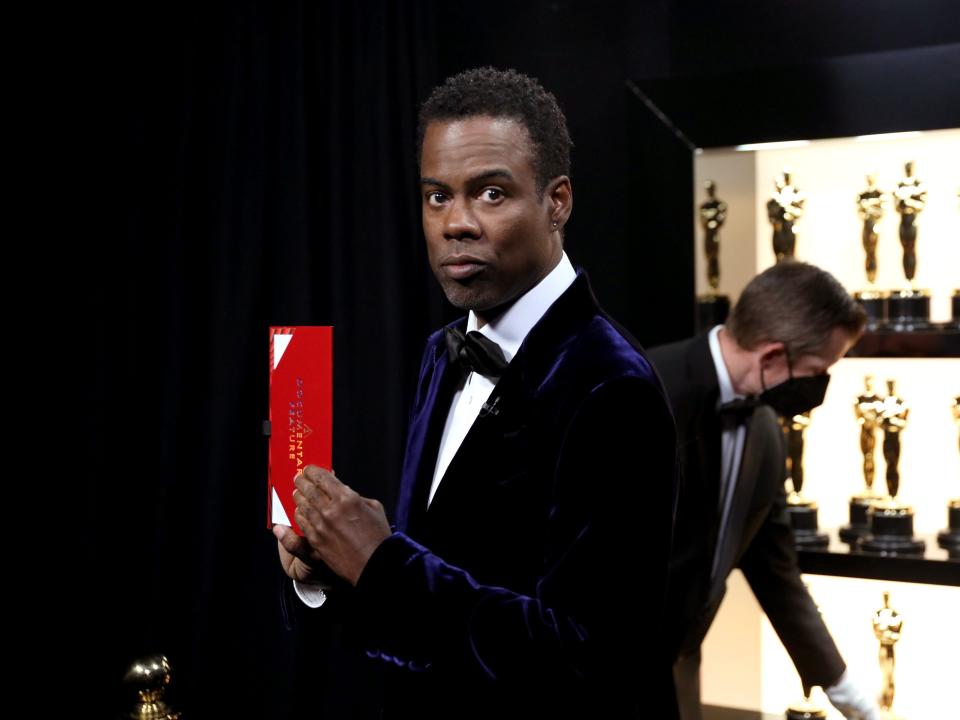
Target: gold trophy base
806	709
803	520
712	309
891	530
875	303
859	526
908	310
949	539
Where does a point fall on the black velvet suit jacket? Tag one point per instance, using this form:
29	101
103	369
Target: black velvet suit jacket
534	585
758	538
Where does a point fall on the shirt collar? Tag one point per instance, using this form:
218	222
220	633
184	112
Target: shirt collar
723	375
510	328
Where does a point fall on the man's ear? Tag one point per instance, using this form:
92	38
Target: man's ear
771	352
560	195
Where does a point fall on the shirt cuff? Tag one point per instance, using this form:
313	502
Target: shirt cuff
311	594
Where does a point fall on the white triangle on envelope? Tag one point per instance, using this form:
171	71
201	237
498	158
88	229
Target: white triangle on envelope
277	513
280	343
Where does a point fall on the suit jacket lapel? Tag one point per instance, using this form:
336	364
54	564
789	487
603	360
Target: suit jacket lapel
501	426
423	440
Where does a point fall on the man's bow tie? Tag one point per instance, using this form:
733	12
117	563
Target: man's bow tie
475	352
739	409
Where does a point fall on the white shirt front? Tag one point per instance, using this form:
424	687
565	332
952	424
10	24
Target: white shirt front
508	331
732	440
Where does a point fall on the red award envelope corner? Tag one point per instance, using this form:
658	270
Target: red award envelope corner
301	412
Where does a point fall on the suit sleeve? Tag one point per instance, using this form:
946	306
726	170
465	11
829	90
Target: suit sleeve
770	566
600	594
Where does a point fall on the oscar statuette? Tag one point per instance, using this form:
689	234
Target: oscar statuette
871	205
712	307
149	678
887	625
867	409
784	209
802	512
949	539
891	522
909	309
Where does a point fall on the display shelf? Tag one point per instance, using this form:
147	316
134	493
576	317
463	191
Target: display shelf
933	567
939	341
716	712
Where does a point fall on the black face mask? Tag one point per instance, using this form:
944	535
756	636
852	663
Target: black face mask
795	395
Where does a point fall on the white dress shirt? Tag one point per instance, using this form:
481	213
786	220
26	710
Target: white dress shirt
509	331
732	439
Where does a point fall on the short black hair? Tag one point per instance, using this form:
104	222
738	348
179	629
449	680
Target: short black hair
486	91
796	304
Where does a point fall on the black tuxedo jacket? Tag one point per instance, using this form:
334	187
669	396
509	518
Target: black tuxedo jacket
534	585
758	538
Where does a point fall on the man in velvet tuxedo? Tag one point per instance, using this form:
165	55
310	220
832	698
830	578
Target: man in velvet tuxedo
527	573
726	387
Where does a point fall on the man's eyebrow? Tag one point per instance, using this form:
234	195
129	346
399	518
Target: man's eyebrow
485	175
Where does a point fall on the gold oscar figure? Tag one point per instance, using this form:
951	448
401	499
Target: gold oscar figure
802	512
871	205
893	420
867	409
784	209
909	309
713	213
150	677
887	625
891	522
949	539
712	308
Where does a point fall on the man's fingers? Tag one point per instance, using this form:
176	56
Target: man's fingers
291	542
375	504
326	481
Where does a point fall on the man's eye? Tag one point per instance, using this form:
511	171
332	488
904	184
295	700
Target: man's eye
492	194
435	197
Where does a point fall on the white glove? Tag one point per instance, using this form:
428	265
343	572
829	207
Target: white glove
849	698
313	595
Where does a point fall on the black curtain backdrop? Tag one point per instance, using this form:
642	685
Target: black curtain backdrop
254	165
229	166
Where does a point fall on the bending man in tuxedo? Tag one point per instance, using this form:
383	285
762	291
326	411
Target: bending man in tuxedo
792	322
527	574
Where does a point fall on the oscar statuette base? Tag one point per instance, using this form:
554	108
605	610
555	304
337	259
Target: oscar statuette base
712	309
949	539
803	520
859	518
805	711
891	531
908	310
874	302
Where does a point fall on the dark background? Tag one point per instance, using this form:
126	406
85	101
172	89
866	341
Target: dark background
235	165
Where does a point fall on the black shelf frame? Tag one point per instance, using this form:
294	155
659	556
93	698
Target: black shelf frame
937	342
933	568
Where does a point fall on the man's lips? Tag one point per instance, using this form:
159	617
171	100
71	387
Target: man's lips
461	267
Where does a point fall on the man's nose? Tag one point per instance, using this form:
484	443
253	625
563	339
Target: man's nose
460	221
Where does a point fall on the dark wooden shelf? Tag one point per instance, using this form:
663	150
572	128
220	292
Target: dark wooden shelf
716	712
939	341
933	567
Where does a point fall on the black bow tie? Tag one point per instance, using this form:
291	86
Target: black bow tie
739	409
475	352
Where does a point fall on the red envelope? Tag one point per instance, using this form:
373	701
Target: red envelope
301	413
